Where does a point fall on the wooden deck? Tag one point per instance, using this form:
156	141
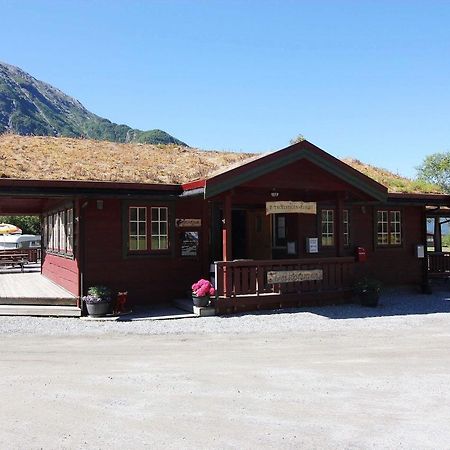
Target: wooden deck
31	294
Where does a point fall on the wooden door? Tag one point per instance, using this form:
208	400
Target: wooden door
259	244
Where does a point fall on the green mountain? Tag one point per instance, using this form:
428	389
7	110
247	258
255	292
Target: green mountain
32	107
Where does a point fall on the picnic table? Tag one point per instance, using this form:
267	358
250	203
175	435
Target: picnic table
13	259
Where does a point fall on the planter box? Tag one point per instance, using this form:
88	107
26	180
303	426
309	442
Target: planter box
98	309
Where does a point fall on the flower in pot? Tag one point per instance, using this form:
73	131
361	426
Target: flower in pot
201	292
368	291
98	301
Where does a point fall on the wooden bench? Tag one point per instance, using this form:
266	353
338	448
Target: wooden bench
13	259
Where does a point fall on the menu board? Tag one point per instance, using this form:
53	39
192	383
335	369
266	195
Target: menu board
189	243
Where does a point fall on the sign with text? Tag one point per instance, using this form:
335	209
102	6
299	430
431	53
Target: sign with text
292	276
291	207
185	223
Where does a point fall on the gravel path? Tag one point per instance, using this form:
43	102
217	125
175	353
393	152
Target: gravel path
398	308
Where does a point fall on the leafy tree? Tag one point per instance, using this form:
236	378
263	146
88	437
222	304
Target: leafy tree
28	224
436	169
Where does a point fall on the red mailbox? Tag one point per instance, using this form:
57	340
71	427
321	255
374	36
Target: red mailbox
361	254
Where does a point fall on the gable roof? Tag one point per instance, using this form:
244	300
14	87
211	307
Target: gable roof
256	167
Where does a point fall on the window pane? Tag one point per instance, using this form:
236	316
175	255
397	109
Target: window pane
142	226
133	228
133	243
142	243
133	213
163	214
163	243
155	243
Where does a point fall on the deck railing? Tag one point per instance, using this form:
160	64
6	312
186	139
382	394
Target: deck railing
249	277
439	263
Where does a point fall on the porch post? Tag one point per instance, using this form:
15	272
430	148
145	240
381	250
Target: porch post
226	229
437	235
340	225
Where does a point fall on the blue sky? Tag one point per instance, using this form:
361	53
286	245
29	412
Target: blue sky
368	79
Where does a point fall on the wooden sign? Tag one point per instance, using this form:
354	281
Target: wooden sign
185	223
292	276
291	207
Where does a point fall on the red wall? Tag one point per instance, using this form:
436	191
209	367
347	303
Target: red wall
394	265
149	279
62	271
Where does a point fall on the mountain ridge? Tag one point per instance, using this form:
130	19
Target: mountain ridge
29	106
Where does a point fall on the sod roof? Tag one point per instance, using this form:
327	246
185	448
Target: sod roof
51	158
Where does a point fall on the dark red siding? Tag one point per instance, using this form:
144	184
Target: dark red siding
148	279
62	271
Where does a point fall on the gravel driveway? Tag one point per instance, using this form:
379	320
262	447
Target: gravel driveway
336	377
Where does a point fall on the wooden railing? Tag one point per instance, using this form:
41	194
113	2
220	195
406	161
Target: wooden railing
249	277
34	254
439	263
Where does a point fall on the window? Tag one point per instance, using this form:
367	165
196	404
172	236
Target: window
58	232
140	220
346	227
279	226
137	228
327	227
389	227
69	231
160	225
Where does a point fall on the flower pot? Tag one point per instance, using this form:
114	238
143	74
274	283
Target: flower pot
200	301
369	298
98	309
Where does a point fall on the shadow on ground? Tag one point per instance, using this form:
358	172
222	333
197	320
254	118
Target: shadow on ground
398	302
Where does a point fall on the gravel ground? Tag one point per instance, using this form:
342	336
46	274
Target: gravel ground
323	378
398	308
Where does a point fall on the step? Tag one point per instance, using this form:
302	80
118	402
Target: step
186	305
39	310
41	301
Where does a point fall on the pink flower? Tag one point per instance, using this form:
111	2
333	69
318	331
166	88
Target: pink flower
202	288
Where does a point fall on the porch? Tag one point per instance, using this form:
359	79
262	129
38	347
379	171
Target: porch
249	285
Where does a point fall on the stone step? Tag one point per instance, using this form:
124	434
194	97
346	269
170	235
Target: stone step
186	305
39	310
42	301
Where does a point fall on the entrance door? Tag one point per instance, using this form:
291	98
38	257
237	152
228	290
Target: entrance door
259	241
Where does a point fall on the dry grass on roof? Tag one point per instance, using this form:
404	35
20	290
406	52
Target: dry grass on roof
394	182
50	158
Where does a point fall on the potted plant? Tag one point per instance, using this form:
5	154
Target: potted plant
98	301
368	291
201	292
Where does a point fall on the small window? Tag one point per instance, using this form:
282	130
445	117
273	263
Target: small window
389	228
346	226
280	231
327	227
137	230
69	231
160	228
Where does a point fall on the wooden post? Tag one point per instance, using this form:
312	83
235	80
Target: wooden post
226	229
226	243
339	225
437	235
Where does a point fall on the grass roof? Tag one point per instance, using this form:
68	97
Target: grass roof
51	158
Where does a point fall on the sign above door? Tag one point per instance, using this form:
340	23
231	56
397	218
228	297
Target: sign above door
291	207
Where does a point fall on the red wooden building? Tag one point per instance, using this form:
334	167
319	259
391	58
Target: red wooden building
275	230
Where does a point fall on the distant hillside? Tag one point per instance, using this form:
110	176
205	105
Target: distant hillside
32	107
394	183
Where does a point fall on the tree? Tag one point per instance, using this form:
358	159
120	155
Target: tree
436	169
28	224
296	139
